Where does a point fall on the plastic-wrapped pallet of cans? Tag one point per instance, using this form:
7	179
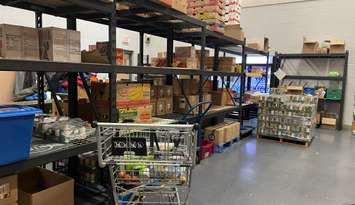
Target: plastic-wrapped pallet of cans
287	116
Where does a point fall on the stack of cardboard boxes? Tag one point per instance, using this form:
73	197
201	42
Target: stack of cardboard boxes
223	132
133	101
52	44
328	46
233	10
185	57
161	99
210	11
180	5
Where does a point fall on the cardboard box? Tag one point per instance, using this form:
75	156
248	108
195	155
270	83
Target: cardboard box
234	31
337	46
161	107
185	62
353	127
153	103
221	97
132	94
169	105
74	46
329	121
190	86
215	133
185	52
11	41
30	43
100	90
42	187
259	44
180	5
139	114
53	44
181	105
168	91
310	46
198	53
8	190
206	98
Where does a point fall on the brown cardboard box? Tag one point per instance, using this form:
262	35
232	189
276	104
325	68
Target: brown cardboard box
181	105
310	46
234	31
139	114
159	91
180	5
221	97
8	190
206	98
30	43
216	133
353	128
100	90
153	92
198	53
42	187
185	52
161	107
169	105
74	46
153	103
259	44
329	121
337	46
53	44
11	41
190	86
133	94
168	91
184	62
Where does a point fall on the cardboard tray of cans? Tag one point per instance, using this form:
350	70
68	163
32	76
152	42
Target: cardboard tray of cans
287	116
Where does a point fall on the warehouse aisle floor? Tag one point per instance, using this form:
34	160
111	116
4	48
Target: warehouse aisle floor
264	172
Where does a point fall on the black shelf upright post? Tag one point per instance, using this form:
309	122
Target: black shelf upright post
215	67
170	54
141	54
202	67
72	80
113	74
267	71
242	84
40	75
343	90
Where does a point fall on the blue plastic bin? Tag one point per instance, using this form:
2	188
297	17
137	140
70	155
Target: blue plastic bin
16	126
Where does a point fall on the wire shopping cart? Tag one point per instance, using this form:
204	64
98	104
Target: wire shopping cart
148	163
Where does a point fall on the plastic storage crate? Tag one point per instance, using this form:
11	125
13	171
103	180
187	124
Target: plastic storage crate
16	125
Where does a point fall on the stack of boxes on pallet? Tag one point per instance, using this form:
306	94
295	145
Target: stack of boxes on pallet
287	116
232	13
223	133
52	44
179	5
210	11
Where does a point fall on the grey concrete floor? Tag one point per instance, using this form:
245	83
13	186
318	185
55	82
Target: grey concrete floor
264	172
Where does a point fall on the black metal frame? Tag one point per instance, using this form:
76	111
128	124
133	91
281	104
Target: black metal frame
164	22
279	58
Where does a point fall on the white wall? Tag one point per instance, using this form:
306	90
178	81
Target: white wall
252	3
286	24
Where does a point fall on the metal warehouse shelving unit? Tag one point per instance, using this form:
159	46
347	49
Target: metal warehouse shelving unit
281	58
143	16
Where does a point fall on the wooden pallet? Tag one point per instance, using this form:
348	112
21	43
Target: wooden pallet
286	140
221	147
